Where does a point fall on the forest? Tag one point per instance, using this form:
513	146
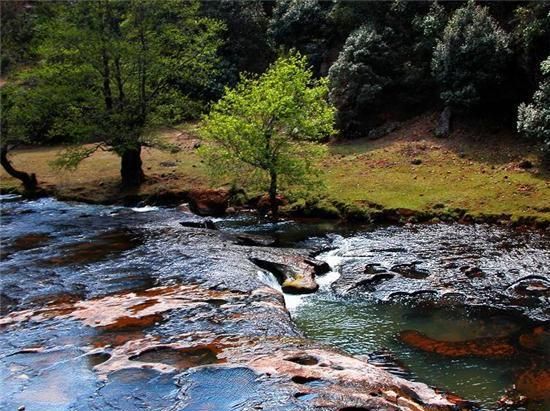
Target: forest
274	205
107	76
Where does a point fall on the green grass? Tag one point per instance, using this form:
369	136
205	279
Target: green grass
474	169
460	172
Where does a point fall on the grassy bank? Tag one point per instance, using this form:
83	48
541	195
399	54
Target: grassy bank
476	171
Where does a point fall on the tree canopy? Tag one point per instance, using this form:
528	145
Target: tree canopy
265	127
126	67
469	58
534	118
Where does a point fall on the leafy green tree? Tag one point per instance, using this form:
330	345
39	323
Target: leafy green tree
12	138
40	110
362	71
428	28
266	127
468	60
531	38
534	118
135	59
19	20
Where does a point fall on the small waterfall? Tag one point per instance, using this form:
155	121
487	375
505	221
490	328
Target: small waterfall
269	279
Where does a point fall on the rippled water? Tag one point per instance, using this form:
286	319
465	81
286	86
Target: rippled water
368	323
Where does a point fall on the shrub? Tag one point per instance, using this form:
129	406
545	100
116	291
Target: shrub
534	118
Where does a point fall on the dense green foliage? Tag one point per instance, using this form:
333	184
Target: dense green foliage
108	72
469	58
266	126
302	25
246	47
534	118
119	68
359	75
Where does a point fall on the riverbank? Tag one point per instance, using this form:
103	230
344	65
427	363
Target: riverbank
478	174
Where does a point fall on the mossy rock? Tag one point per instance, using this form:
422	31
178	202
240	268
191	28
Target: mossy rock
355	213
324	209
300	285
297	207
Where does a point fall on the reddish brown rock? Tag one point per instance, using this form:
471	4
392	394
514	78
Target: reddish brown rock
263	203
208	202
538	339
481	347
535	384
123	310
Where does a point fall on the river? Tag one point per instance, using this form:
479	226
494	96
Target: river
449	282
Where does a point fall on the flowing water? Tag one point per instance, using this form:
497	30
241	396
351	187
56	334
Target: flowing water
60	251
369	323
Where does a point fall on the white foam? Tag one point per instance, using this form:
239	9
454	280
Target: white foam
144	209
269	279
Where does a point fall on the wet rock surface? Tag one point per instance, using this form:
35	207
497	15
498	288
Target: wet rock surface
124	309
482	347
469	265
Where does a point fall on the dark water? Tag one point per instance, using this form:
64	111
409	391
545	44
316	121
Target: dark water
364	328
60	251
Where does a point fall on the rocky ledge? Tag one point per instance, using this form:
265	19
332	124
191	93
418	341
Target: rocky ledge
213	335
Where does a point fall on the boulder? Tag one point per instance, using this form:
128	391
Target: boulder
444	124
320	267
294	275
209	202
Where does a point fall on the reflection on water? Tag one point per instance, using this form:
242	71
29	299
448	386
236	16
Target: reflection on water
364	327
72	252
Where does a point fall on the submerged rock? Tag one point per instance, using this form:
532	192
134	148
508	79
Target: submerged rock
481	347
535	384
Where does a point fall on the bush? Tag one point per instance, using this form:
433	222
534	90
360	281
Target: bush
469	59
534	118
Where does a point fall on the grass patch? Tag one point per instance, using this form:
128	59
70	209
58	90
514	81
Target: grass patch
474	169
464	171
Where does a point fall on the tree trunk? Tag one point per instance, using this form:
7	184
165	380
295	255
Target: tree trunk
28	180
130	168
273	196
